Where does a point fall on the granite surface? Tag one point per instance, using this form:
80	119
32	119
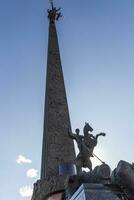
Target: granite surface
58	147
94	192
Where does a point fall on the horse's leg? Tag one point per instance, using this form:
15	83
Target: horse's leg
79	163
89	164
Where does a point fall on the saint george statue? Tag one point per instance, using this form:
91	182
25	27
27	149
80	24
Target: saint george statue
86	144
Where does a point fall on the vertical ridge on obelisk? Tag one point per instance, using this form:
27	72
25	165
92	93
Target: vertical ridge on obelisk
58	148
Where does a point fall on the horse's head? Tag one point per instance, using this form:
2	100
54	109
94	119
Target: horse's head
87	128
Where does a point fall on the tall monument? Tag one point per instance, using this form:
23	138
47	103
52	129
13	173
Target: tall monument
59	180
58	148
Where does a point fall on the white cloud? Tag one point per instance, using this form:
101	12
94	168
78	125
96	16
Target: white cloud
32	173
23	159
26	191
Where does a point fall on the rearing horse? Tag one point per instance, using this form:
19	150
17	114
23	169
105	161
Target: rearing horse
89	139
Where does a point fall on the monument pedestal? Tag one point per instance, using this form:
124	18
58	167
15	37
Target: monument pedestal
50	188
90	191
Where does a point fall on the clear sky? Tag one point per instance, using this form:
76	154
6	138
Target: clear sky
96	39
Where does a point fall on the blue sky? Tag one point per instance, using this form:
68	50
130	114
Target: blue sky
96	39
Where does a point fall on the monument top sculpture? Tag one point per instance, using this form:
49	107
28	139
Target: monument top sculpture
53	13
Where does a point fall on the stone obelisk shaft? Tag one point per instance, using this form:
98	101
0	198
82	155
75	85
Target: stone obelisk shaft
58	148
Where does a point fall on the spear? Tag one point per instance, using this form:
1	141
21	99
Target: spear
51	3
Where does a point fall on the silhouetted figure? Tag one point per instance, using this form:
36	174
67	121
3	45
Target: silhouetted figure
86	146
89	139
83	158
54	14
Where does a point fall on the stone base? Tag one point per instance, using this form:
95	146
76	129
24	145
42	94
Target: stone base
56	196
47	187
91	191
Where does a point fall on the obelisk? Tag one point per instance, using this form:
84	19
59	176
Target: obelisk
57	148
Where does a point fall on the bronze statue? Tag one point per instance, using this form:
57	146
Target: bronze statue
53	13
90	139
83	158
86	146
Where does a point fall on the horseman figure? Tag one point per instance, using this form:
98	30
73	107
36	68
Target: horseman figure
86	146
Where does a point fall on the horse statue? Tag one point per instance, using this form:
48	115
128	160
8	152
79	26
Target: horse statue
89	139
86	146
